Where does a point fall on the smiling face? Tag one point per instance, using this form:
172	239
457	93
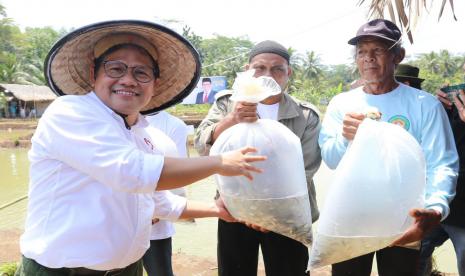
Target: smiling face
125	95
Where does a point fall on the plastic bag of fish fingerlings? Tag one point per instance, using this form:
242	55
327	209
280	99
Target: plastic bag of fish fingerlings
380	178
276	199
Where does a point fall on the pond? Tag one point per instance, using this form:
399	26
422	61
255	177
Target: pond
197	238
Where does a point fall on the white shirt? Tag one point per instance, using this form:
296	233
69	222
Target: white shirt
91	185
173	127
268	111
168	206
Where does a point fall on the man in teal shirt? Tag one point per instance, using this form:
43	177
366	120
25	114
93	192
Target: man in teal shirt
378	52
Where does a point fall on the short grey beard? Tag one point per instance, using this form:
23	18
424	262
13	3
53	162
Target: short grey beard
371	81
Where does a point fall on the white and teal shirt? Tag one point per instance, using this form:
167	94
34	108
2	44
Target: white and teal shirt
421	114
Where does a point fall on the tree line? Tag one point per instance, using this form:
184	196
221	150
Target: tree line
22	54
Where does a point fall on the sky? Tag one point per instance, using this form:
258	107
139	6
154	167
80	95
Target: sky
322	26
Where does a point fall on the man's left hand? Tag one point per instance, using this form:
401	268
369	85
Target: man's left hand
458	102
223	213
425	221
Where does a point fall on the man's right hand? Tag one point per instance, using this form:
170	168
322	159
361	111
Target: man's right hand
244	112
238	162
350	124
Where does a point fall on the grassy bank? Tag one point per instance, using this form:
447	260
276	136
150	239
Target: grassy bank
18	132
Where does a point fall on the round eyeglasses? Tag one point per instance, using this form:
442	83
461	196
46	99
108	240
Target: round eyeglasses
117	69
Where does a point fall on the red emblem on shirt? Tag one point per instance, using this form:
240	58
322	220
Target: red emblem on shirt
147	141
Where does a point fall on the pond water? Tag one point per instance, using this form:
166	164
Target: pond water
197	238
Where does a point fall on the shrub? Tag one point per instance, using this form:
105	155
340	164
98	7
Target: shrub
8	269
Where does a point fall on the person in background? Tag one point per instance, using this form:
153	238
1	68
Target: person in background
207	95
94	166
453	227
157	259
13	104
238	244
408	75
378	52
3	105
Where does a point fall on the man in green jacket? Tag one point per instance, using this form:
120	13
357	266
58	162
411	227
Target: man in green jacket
238	243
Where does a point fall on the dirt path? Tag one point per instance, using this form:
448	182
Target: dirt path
183	265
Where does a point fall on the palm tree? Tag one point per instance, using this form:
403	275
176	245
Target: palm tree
312	67
2	10
442	63
430	62
407	12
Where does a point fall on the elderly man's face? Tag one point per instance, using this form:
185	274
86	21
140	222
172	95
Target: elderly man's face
125	94
271	65
375	62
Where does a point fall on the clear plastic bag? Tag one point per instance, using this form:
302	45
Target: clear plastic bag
249	89
380	178
276	199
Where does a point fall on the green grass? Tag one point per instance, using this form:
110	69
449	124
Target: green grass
15	134
8	269
189	109
21	122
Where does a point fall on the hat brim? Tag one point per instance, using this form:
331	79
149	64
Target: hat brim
67	65
408	78
354	40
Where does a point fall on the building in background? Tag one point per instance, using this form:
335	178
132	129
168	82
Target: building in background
27	100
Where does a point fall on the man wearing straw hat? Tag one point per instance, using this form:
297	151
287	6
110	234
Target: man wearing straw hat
378	52
93	168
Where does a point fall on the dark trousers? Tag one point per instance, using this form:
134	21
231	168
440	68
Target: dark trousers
436	238
30	267
391	261
238	252
157	259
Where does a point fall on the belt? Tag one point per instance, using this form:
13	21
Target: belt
32	266
78	271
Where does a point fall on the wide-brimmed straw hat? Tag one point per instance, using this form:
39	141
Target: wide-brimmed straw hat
67	66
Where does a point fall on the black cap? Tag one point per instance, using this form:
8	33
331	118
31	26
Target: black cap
380	28
269	46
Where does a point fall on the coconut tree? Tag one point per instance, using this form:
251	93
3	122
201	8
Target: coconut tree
406	12
312	67
2	10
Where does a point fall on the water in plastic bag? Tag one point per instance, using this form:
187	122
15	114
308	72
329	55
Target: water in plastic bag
276	199
380	178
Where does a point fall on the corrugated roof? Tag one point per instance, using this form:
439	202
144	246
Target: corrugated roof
29	93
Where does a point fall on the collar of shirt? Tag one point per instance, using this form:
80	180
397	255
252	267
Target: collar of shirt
141	121
287	108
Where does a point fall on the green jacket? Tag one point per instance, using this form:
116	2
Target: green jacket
300	117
